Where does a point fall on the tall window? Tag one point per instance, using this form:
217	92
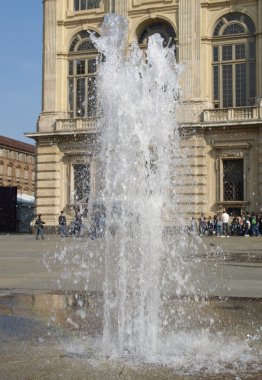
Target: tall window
82	67
234	61
80	5
233	180
81	183
160	27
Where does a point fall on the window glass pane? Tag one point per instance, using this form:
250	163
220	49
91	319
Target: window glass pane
216	87
241	85
218	27
233	29
80	67
80	97
233	180
81	183
71	68
227	86
250	24
86	45
215	53
93	4
165	30
83	4
252	79
227	52
73	44
76	5
234	16
91	104
91	66
240	51
71	94
252	49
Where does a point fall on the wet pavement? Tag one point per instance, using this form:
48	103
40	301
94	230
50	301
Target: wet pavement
51	321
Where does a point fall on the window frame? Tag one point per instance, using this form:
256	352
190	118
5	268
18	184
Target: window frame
74	77
78	5
220	41
224	159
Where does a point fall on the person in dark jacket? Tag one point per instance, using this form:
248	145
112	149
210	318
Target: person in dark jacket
62	224
39	225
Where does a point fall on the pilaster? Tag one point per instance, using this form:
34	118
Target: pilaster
47	116
120	7
259	52
189	47
259	172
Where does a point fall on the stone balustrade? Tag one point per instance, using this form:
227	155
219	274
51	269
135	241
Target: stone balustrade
85	124
232	114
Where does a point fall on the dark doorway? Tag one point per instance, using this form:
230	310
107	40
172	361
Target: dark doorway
8	222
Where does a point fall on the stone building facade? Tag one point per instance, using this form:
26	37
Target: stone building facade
220	44
17	165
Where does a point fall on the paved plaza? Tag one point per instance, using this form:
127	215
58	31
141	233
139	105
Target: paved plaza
44	334
29	264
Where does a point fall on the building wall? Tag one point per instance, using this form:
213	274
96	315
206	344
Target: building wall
17	165
212	135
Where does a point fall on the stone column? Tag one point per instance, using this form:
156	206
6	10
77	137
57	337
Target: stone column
189	46
259	172
259	100
47	117
259	53
120	7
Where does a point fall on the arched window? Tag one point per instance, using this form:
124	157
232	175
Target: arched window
163	28
234	61
80	5
81	76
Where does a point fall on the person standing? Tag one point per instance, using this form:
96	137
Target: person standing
225	221
247	225
39	225
62	224
254	225
219	225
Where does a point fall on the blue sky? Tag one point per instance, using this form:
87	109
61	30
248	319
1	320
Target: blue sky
20	67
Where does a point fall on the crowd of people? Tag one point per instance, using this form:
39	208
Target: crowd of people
222	224
76	227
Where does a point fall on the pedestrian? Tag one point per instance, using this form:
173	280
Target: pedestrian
39	225
193	226
235	226
225	221
247	224
62	224
254	225
202	225
219	225
77	224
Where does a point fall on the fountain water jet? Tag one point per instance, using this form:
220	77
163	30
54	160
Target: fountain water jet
138	93
140	169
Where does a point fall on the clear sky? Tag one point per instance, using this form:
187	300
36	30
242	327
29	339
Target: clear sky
20	67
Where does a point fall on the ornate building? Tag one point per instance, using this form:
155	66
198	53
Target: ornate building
17	165
220	44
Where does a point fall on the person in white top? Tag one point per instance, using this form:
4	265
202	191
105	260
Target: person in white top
225	221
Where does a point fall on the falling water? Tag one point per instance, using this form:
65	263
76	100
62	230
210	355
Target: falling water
140	160
138	92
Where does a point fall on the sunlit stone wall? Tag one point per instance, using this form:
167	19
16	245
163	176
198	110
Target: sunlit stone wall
210	135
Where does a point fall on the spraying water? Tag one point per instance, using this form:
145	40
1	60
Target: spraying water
140	170
138	93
